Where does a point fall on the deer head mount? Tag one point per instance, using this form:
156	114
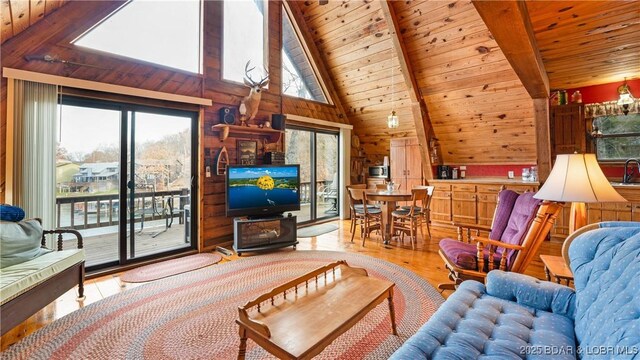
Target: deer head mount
252	101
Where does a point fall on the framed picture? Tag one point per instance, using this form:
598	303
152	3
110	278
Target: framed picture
247	152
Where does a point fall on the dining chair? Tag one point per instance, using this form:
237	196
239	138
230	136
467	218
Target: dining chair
351	211
369	217
407	221
425	209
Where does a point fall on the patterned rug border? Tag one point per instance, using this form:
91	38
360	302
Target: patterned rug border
135	324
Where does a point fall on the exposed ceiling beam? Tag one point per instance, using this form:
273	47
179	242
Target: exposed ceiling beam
509	23
418	106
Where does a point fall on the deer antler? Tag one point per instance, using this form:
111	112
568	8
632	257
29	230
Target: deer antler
250	82
265	80
247	72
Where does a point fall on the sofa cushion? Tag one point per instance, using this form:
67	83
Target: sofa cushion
606	267
20	242
16	279
464	255
524	211
506	200
472	324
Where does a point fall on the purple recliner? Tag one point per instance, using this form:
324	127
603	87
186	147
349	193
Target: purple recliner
510	224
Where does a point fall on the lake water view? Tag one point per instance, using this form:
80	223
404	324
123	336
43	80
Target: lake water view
253	197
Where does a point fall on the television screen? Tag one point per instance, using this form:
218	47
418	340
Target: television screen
262	189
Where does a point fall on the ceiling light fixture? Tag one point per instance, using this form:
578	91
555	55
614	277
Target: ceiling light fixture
626	98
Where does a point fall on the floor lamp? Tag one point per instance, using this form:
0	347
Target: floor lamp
577	178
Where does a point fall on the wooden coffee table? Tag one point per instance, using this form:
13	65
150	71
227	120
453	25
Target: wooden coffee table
297	320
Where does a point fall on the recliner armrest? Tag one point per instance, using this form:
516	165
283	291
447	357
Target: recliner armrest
529	291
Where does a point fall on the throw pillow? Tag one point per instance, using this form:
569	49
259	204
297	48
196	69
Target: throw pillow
11	213
20	242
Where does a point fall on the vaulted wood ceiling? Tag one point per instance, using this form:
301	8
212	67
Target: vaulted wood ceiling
586	43
479	109
354	41
17	15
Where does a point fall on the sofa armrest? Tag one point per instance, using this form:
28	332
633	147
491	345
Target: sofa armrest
59	240
529	291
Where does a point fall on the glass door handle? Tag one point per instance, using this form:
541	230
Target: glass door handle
130	185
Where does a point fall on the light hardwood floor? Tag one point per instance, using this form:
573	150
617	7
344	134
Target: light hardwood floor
424	261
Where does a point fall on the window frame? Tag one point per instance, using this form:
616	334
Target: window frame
286	10
199	73
265	44
599	136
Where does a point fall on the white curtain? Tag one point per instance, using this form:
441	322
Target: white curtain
34	145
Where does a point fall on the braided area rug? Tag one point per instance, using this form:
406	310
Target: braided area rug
170	267
192	315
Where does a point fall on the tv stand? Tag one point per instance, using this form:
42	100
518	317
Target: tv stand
260	234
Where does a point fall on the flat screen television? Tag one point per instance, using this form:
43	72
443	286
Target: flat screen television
254	190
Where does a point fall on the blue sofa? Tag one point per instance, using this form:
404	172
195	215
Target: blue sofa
515	316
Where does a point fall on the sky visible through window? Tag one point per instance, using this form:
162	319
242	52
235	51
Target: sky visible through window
160	32
243	39
298	76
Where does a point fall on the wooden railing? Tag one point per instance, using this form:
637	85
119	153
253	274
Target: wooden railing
305	190
94	211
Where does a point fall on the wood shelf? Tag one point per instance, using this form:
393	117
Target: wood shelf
226	130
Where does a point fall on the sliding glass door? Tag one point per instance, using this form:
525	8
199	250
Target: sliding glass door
317	153
128	179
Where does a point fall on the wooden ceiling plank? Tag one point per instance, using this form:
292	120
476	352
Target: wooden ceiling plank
557	13
421	118
20	15
37	9
596	17
7	24
517	42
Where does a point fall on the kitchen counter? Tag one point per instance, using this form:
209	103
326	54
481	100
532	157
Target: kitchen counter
486	180
619	185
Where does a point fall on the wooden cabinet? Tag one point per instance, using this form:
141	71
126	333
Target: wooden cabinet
463	201
597	212
406	163
441	203
567	129
486	203
467	202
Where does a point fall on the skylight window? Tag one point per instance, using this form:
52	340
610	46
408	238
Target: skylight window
298	75
244	38
161	32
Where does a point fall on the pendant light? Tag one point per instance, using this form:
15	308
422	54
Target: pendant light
392	119
626	98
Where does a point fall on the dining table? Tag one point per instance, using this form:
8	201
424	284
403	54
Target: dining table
389	200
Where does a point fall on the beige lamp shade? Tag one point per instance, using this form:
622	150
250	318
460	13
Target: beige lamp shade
578	178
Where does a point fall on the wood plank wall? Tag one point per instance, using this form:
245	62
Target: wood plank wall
53	35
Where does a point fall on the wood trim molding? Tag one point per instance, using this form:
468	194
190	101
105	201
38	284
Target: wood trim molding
418	106
312	121
98	86
510	25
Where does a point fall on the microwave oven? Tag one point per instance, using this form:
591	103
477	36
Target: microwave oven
381	172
